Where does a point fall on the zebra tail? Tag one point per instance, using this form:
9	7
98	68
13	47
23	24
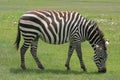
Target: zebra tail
18	38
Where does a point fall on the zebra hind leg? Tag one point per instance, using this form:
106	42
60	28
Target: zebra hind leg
70	52
34	54
22	52
79	54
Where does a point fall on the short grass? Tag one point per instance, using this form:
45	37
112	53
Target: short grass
104	12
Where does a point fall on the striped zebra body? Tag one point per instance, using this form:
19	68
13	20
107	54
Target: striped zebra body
55	27
51	26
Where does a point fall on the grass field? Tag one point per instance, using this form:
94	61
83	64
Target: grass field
105	12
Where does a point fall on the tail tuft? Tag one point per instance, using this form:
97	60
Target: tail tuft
18	38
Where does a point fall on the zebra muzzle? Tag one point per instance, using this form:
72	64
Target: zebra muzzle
102	70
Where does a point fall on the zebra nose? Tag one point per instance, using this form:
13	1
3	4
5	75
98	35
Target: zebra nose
102	70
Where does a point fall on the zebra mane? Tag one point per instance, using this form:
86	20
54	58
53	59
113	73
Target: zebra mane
100	40
101	36
97	29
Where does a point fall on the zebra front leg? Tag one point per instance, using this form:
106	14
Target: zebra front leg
79	53
34	54
22	52
70	52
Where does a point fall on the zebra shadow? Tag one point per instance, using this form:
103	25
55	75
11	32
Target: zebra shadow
53	71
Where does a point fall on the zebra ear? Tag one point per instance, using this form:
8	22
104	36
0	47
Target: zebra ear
107	42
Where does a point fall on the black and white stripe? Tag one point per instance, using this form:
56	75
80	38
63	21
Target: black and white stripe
57	27
53	27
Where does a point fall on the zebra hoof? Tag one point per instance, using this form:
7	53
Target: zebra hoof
84	69
68	68
41	67
23	67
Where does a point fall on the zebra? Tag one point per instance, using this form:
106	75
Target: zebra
59	27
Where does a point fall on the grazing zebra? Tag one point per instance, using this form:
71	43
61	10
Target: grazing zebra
57	27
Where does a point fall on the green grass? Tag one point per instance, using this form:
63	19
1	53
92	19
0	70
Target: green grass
104	12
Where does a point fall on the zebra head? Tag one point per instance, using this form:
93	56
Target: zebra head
100	56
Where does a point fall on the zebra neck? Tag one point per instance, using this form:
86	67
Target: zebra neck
94	34
94	40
